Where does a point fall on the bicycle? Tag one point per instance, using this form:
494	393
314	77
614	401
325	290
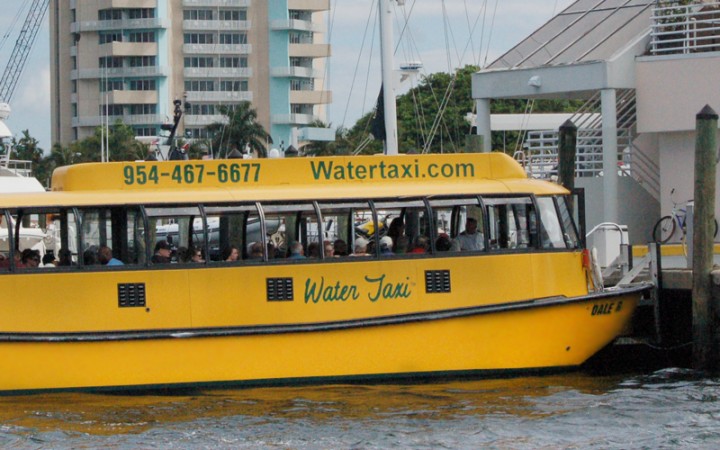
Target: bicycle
666	226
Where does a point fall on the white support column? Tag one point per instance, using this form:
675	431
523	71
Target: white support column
610	155
387	47
482	122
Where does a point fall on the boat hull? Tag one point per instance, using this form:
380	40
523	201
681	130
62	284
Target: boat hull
520	336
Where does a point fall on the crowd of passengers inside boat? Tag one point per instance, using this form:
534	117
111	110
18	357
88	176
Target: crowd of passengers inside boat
148	235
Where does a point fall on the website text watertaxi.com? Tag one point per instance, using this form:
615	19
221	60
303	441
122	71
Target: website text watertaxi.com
330	170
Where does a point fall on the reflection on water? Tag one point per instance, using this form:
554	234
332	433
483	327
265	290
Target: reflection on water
668	409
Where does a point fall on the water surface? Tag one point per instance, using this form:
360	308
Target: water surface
671	408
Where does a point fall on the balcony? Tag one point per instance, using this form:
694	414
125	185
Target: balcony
129	24
107	4
217	25
128	49
689	28
293	119
219	96
73	50
139	119
310	97
217	72
296	72
309	5
297	25
73	98
133	97
309	50
204	120
219	3
217	49
151	71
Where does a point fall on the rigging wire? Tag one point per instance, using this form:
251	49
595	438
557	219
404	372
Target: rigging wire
529	106
492	25
470	30
326	68
13	23
357	64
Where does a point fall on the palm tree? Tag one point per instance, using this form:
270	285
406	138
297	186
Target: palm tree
238	130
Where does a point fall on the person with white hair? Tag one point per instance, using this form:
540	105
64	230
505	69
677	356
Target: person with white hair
296	251
360	247
386	244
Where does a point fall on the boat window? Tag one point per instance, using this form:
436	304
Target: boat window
451	217
175	231
36	236
551	234
68	239
345	225
284	228
309	234
407	223
234	227
567	222
511	222
112	236
4	244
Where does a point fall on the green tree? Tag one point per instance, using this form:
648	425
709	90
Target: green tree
417	112
27	148
121	140
239	129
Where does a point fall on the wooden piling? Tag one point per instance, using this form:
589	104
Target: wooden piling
704	348
567	148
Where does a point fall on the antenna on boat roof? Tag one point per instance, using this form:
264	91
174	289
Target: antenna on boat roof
176	154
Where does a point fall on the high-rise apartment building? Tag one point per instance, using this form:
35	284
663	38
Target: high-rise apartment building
131	59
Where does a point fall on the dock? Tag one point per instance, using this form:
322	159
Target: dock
661	330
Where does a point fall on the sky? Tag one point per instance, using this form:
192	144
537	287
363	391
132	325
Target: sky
438	34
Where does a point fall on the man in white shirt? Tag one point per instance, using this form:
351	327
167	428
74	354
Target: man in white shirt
471	239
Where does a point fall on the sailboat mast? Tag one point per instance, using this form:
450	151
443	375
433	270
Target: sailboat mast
386	51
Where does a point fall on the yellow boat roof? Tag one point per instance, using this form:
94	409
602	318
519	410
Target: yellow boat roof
283	179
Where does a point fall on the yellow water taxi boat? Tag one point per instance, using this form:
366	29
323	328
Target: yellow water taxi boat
202	273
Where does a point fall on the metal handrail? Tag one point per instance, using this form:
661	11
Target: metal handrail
605	225
685	28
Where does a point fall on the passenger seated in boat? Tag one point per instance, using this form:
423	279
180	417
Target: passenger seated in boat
256	250
161	254
189	255
340	248
313	250
397	229
401	246
105	257
386	245
329	250
360	247
90	257
230	254
471	239
48	261
65	258
420	245
296	251
30	258
443	243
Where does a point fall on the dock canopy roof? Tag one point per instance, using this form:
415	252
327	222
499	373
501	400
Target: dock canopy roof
586	31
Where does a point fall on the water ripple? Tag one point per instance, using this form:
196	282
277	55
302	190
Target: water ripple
672	408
